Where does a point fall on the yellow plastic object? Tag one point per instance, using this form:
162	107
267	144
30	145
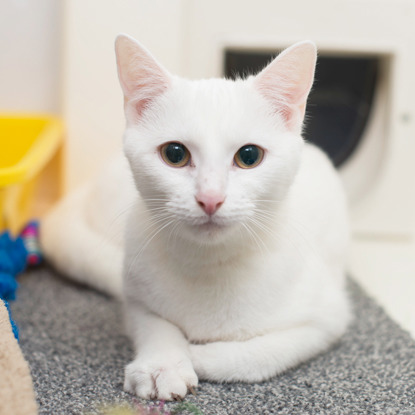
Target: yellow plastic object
31	167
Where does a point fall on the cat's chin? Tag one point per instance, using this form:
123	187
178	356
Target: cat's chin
209	233
210	228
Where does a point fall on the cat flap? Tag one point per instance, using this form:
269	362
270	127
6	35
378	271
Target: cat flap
287	80
141	77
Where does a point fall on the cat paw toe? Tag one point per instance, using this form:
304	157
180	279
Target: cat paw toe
169	382
138	382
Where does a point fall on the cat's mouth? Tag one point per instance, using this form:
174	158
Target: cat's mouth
210	230
211	225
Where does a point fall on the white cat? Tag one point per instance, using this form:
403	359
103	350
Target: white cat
234	252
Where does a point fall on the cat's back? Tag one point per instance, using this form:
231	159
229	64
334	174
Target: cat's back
318	181
318	202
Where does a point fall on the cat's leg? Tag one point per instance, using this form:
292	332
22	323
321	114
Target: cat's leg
261	357
162	368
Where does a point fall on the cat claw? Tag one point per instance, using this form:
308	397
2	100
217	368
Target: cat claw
176	397
192	390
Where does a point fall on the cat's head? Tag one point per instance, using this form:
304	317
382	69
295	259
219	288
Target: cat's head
212	157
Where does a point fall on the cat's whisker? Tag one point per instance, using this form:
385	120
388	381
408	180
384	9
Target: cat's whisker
149	239
155	204
123	211
153	221
158	209
265	215
263	245
299	227
108	239
112	235
156	219
276	201
262	226
260	244
120	215
292	228
155	198
152	201
262	219
280	217
172	230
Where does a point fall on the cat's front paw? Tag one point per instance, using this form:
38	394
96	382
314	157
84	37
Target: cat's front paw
157	380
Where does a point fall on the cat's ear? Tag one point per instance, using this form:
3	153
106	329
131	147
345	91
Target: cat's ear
287	80
141	77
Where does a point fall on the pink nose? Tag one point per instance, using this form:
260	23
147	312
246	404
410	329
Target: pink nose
210	202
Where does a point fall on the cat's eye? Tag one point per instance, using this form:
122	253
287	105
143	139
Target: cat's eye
175	154
249	156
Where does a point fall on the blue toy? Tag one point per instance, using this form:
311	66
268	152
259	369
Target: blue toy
14	256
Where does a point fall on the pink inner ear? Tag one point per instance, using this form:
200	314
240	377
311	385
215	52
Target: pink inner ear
141	105
286	82
284	99
142	78
151	87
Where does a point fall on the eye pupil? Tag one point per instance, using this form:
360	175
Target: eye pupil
249	155
175	152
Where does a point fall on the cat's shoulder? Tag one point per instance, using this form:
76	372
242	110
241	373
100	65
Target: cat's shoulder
315	161
317	172
314	155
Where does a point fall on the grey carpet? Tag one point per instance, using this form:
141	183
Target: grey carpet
73	339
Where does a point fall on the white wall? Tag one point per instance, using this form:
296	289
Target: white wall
93	104
30	55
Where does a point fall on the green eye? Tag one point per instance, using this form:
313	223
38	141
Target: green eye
175	154
248	156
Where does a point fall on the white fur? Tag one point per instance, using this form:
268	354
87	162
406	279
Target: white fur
240	296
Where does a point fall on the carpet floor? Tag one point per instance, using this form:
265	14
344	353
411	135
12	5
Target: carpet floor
74	341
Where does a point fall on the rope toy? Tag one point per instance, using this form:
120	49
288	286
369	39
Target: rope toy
15	255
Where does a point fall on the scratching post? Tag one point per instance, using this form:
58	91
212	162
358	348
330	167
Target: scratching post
16	389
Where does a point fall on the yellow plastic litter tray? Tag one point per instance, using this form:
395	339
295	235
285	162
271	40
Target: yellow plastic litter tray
31	167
